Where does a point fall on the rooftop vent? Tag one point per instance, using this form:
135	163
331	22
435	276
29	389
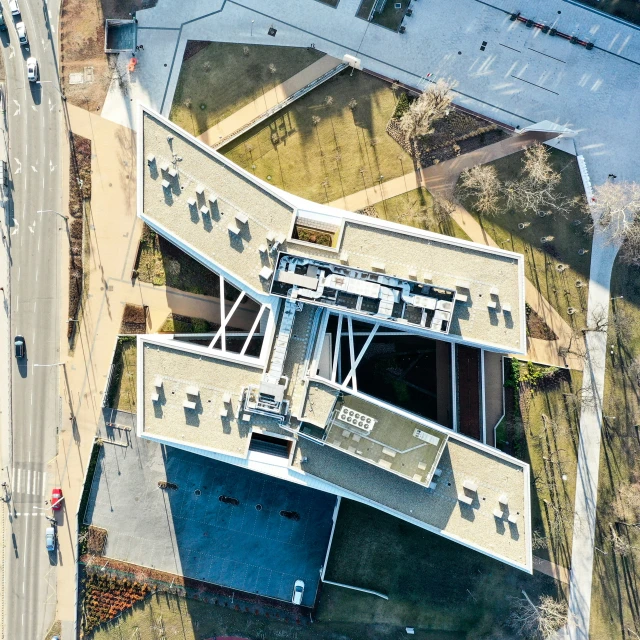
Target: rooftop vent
151	159
356	419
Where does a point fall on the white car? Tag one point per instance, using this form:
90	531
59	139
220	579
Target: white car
298	591
22	34
50	538
14	8
33	73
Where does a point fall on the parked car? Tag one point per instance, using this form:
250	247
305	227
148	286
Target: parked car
22	34
13	6
33	72
56	499
50	538
290	515
3	24
229	500
18	343
298	591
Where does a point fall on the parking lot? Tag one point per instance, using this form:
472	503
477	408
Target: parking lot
189	531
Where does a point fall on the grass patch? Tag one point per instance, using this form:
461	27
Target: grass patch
344	152
415	209
431	582
86	490
616	580
183	324
121	394
205	79
541	260
163	264
625	9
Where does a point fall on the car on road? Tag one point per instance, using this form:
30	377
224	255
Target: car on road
18	343
3	24
33	73
13	6
298	591
22	34
229	500
56	499
50	538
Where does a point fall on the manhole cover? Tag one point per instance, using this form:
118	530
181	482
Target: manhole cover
258	507
197	492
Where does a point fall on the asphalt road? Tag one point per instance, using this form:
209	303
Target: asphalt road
34	117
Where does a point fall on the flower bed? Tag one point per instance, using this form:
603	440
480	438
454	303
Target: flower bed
106	597
314	236
134	319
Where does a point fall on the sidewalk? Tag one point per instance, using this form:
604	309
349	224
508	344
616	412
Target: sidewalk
439	180
246	115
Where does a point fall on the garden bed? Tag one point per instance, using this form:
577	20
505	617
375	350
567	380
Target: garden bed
79	193
134	319
121	393
176	323
537	327
455	134
314	236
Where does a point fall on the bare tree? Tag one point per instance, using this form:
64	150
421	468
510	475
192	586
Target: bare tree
272	68
535	190
207	66
626	508
539	621
616	207
621	546
430	106
560	519
442	209
353	103
482	184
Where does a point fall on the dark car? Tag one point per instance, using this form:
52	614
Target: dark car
19	346
229	500
290	515
3	24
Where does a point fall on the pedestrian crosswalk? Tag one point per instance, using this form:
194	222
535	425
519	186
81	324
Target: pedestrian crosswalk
29	482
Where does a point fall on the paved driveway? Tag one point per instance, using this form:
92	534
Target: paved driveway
188	531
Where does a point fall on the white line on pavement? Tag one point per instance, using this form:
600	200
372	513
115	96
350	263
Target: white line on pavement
35	484
44	483
28	480
17	479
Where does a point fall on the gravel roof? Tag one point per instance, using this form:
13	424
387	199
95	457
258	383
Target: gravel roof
439	510
402	250
202	426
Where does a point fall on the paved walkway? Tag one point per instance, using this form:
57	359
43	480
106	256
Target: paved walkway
603	254
440	179
269	99
551	569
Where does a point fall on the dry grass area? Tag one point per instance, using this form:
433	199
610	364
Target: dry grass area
222	77
616	577
134	319
319	147
82	45
122	390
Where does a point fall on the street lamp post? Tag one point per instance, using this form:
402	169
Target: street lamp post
53	84
52	211
66	378
252	28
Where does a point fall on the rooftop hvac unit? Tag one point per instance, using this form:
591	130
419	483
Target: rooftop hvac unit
356	419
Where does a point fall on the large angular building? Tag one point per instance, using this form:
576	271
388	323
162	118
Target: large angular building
353	355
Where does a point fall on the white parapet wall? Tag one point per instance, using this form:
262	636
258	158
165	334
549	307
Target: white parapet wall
586	181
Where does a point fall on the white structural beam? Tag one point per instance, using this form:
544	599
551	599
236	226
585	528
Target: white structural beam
254	326
354	365
336	349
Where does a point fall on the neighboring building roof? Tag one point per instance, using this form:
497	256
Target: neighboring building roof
232	221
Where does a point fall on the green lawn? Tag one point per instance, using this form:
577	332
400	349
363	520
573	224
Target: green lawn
415	209
183	324
346	151
616	579
432	583
220	79
541	261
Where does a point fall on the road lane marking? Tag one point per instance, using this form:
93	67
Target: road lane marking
33	106
34	169
51	166
12	53
19	169
36	275
44	483
19	270
28	480
17	480
35	483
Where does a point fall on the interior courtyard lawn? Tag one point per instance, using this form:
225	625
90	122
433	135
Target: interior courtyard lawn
570	236
319	148
415	208
220	79
616	578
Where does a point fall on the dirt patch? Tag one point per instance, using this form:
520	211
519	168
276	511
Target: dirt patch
537	327
134	319
454	135
82	47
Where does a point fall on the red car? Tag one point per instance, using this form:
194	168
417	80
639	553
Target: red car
56	499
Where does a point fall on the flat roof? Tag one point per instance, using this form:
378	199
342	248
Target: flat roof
395	442
180	373
440	510
228	218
